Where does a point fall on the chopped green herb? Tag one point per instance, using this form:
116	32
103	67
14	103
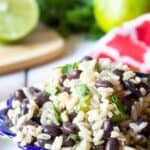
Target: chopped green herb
82	90
117	117
56	102
75	138
84	93
51	90
97	67
69	68
84	104
119	106
46	93
57	114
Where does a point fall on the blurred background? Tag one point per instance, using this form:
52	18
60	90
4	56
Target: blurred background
36	35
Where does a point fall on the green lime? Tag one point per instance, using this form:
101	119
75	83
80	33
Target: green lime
17	19
111	13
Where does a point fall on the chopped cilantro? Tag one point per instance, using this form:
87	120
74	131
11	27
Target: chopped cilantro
75	138
84	94
97	67
83	104
68	68
119	106
51	90
57	114
82	90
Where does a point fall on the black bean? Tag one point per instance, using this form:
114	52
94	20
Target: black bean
74	75
67	142
72	116
42	142
108	127
66	89
24	111
86	58
135	88
62	79
36	119
34	90
146	88
69	128
141	74
32	123
128	101
118	72
132	87
41	98
24	107
138	122
112	144
33	141
100	147
19	95
52	130
103	83
145	131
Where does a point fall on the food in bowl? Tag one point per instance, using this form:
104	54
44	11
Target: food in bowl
87	105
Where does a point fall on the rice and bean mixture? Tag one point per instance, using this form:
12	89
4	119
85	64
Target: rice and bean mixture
87	105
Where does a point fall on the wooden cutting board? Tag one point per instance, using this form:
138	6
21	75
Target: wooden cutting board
39	47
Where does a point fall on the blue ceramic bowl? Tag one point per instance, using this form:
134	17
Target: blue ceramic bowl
5	126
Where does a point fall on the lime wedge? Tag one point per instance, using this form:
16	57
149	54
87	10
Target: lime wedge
17	19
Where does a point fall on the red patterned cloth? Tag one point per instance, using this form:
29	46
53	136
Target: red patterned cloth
129	44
